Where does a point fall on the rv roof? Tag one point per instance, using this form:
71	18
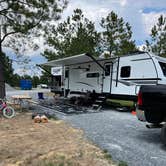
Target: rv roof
82	58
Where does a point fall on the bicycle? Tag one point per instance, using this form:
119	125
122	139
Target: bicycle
6	111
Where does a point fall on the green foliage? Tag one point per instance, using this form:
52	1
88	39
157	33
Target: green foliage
35	81
122	103
158	38
14	79
45	78
75	35
22	20
117	35
7	68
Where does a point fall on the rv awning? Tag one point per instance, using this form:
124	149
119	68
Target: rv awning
82	58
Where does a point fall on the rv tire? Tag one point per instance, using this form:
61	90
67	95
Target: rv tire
153	116
163	134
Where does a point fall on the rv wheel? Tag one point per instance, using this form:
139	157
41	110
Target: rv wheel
163	134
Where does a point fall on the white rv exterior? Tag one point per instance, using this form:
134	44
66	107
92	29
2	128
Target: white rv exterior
119	77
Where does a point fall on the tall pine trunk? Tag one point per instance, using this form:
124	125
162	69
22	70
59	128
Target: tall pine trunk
2	80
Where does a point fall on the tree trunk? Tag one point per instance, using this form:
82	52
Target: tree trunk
2	81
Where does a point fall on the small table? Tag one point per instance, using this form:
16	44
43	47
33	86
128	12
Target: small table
19	99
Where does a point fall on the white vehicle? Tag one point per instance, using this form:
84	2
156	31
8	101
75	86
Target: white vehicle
43	86
117	77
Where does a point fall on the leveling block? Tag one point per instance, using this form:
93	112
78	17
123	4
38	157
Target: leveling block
133	112
40	119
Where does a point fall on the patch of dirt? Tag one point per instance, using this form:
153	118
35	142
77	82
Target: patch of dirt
23	143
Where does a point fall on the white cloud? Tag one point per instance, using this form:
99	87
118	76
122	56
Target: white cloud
27	71
150	19
123	3
141	47
147	3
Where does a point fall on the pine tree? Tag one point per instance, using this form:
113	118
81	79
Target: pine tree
75	35
117	35
158	38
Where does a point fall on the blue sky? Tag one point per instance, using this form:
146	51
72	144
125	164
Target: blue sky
141	14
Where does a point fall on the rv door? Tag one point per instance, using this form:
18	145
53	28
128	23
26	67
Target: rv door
107	78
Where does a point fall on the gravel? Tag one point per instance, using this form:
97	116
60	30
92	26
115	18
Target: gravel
126	138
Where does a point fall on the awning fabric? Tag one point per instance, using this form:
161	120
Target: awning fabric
82	58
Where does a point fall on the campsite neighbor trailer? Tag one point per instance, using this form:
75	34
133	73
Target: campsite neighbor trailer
117	77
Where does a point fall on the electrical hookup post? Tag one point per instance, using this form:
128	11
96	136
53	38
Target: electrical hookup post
2	80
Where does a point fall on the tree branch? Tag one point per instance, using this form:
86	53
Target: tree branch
6	17
4	10
10	33
25	3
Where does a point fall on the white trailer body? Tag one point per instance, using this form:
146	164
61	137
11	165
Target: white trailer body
119	77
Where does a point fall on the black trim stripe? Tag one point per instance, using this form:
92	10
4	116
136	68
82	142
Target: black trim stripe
111	77
145	82
111	96
141	59
117	72
154	65
121	97
135	79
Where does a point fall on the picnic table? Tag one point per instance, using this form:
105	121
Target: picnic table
20	99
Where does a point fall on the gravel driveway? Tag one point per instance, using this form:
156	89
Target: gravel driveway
125	137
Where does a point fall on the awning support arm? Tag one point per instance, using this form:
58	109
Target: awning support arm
44	69
87	54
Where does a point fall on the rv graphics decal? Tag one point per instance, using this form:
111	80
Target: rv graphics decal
85	84
130	82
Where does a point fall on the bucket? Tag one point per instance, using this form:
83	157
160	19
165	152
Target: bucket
40	95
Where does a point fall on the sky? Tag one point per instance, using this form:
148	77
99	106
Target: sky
141	15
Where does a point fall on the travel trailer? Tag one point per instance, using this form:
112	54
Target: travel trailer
117	77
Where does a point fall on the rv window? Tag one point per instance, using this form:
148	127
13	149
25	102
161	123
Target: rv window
163	67
92	75
66	73
107	70
125	71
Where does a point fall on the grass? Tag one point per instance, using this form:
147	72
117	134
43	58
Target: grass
107	155
58	161
48	164
54	118
123	103
122	163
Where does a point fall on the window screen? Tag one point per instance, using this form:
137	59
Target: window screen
92	75
163	67
67	73
125	71
107	70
